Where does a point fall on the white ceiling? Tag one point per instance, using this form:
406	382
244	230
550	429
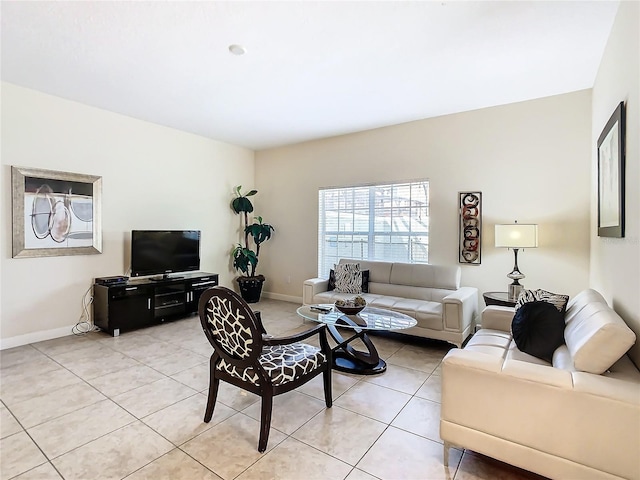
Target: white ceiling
312	69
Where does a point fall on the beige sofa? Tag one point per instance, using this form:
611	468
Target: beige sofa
429	293
564	420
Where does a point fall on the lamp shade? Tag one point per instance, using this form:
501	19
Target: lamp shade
517	235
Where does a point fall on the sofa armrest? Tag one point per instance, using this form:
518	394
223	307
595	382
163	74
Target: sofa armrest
312	287
460	308
458	357
495	317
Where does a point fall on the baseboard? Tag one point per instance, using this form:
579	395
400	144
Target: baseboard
43	335
34	337
284	298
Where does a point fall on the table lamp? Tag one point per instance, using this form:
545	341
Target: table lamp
516	236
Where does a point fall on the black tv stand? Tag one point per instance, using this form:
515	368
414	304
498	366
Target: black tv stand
165	277
141	302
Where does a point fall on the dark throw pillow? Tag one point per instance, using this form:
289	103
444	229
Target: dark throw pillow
365	280
538	329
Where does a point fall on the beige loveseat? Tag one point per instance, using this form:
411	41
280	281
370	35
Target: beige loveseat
577	418
429	293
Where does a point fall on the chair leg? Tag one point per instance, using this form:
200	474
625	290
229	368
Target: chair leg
265	421
211	401
328	396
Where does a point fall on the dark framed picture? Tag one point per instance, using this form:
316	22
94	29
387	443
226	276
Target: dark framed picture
470	228
611	174
55	213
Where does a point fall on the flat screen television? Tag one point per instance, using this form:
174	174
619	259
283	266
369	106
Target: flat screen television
162	252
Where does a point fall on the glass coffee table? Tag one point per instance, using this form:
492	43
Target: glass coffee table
345	357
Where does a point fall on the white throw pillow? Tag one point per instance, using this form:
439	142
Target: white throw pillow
597	337
348	278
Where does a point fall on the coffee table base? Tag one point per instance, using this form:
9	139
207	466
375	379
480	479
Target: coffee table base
345	363
346	357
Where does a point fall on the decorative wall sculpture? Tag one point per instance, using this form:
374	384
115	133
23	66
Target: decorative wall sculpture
470	227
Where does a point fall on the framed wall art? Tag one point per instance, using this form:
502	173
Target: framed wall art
55	213
611	166
470	228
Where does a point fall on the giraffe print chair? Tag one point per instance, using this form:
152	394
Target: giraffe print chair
246	357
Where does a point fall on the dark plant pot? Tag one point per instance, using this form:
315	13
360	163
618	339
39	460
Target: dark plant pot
251	288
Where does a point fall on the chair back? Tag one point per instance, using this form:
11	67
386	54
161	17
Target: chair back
231	326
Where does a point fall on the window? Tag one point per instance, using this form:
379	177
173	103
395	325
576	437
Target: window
388	222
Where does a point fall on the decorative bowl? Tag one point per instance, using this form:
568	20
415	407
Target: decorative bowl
351	306
350	310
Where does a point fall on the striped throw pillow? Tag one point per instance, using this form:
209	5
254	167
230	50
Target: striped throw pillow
348	278
557	300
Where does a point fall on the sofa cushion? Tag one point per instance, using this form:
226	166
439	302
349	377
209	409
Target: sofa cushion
558	300
379	271
386	301
490	342
422	275
538	329
331	296
597	337
514	353
348	278
427	314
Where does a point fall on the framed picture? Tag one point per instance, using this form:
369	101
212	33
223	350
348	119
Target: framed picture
55	213
470	228
611	176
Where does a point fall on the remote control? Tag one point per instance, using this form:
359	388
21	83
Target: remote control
318	308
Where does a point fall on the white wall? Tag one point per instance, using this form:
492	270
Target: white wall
615	262
153	178
531	161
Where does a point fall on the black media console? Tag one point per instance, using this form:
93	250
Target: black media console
142	302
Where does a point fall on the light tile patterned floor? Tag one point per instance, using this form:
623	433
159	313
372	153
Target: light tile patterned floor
97	407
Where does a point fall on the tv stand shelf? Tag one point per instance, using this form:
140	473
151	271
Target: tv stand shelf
141	302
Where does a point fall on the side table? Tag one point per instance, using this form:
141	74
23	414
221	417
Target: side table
498	298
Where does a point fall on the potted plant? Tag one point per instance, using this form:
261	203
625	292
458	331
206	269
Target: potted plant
245	258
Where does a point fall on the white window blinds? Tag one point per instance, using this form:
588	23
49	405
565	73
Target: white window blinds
388	222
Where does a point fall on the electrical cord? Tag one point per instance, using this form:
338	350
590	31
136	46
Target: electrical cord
84	324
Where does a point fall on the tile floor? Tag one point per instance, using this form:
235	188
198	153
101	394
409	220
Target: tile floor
96	407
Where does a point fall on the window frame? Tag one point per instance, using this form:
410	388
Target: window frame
396	204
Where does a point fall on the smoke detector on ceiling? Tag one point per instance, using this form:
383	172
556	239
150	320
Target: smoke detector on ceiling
237	49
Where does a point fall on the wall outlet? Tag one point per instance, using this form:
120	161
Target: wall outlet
288	279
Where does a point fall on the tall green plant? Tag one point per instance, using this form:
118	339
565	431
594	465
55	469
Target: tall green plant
245	259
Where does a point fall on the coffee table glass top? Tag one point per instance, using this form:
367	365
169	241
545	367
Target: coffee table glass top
370	318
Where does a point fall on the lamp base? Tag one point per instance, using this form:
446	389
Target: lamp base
515	289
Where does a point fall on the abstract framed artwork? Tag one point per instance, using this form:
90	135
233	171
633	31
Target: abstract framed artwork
470	228
611	173
55	213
